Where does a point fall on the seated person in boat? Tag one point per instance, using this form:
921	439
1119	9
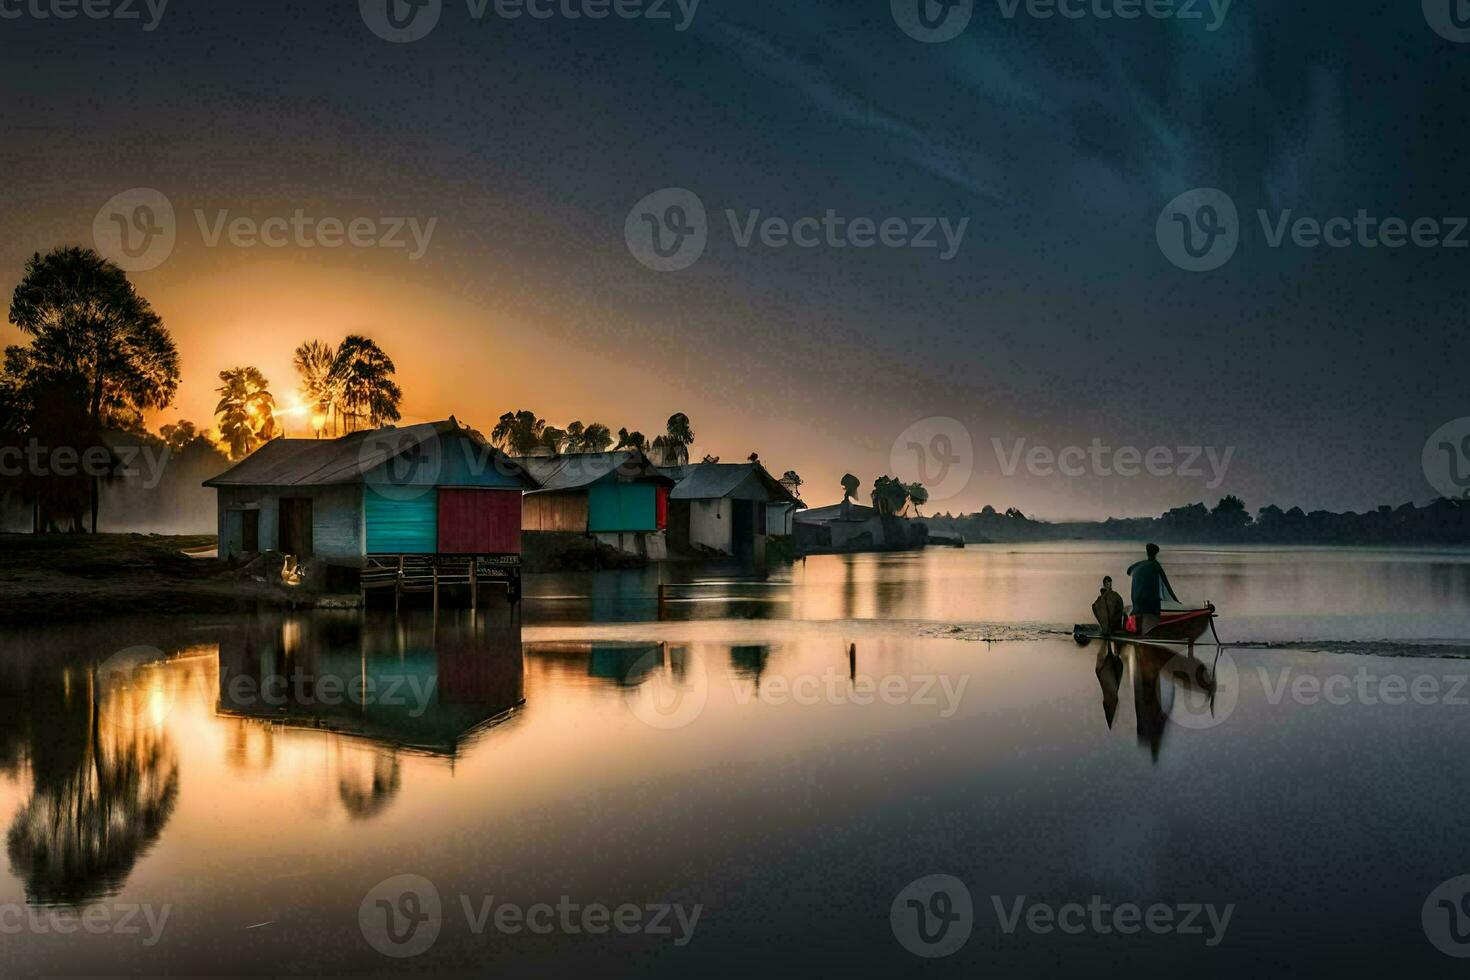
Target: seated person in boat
1150	589
1108	607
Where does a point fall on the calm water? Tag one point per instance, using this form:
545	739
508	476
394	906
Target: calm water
736	795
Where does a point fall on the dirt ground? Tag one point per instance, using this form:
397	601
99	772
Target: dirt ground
82	576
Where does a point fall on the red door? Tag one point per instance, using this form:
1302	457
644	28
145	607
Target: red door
479	522
662	522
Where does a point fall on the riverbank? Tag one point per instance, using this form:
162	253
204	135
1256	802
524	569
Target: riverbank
59	577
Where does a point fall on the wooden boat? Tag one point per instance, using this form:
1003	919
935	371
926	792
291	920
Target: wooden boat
1178	623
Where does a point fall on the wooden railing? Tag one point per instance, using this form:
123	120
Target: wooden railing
429	573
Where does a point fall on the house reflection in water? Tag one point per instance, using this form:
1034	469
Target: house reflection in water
431	686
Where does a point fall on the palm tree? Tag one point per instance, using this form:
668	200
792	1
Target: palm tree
362	375
553	439
314	360
520	433
918	496
850	485
673	448
246	410
631	440
791	481
596	438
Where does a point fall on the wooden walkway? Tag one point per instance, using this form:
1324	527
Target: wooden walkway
430	573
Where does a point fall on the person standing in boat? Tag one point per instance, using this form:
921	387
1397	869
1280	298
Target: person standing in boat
1150	589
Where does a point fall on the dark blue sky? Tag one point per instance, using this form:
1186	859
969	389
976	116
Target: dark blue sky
1058	320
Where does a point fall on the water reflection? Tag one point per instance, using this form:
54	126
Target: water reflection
101	793
428	684
1157	673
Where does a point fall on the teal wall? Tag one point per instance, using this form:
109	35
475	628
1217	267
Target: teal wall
402	521
613	506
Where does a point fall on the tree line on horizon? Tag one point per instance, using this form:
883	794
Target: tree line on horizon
1443	521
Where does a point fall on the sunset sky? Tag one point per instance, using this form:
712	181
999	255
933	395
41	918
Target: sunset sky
1057	321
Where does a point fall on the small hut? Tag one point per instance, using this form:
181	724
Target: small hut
725	508
378	503
619	498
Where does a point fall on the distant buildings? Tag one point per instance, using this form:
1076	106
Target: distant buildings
421	505
727	509
619	498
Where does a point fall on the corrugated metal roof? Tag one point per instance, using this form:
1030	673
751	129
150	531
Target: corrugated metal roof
707	481
322	462
835	512
573	471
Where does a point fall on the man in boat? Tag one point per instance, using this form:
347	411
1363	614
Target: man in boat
1150	587
1108	608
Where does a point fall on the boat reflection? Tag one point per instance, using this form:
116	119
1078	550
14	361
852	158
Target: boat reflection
1158	673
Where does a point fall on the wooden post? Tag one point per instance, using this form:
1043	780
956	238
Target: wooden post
436	590
474	584
398	586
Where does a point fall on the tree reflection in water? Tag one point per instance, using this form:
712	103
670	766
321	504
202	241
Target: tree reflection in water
101	794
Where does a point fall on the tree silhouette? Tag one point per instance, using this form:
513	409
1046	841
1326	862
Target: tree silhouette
91	331
672	448
246	410
918	496
518	433
850	485
631	440
362	374
314	361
